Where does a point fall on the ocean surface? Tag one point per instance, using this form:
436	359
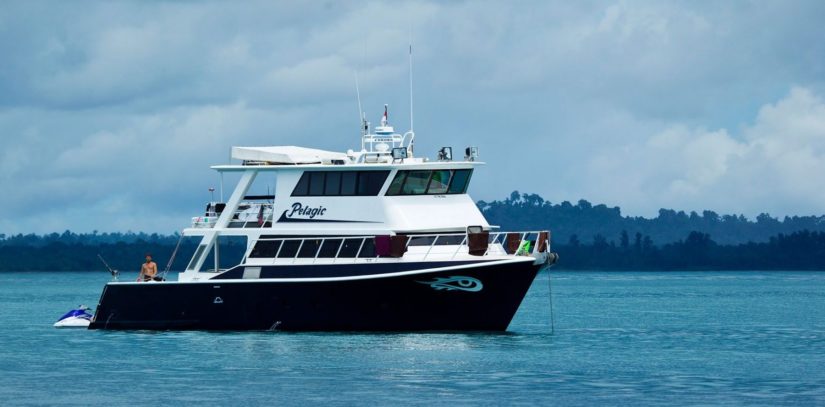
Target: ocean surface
651	338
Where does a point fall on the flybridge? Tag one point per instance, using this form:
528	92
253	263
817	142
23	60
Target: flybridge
285	155
383	146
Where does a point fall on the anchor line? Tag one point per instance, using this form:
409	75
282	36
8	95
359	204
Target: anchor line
552	316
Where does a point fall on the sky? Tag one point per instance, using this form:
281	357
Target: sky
112	112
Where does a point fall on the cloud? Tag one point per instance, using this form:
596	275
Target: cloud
773	165
111	113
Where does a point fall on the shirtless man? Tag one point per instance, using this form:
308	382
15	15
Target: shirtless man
148	270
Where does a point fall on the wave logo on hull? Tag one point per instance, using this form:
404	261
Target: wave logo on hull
455	283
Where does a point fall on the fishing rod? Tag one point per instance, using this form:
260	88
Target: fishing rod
174	253
112	271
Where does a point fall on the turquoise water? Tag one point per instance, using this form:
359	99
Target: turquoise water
620	338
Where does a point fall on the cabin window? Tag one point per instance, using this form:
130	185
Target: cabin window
340	183
323	248
349	180
302	189
333	184
309	248
397	182
316	183
430	182
330	248
439	182
370	182
368	249
460	181
265	249
350	248
289	249
416	183
444	240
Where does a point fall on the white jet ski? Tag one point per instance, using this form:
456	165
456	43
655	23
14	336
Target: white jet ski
76	318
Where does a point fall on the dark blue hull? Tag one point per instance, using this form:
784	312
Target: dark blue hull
482	297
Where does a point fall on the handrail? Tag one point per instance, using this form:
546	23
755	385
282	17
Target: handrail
251	216
495	245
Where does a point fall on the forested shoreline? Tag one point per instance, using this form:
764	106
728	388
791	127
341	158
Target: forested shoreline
586	236
802	250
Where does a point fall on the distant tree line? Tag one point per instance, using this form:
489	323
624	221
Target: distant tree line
804	250
125	252
587	221
586	236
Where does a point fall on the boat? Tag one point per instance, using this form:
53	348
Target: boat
76	318
377	239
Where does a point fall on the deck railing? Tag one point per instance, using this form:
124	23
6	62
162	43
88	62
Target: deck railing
252	215
423	247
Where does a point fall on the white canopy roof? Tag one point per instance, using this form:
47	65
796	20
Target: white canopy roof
285	155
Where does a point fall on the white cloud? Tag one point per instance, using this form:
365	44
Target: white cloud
116	109
775	165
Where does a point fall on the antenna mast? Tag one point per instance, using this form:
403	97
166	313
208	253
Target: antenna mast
412	132
411	89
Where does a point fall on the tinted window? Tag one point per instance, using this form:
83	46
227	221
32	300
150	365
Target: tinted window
368	250
350	247
416	183
430	182
338	183
289	249
439	182
370	182
349	180
461	179
265	248
395	186
333	184
316	183
449	240
421	240
302	189
309	248
330	248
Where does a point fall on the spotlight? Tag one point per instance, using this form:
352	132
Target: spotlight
471	153
399	153
445	154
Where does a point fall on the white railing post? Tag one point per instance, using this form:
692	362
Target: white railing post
460	245
426	255
294	259
338	252
317	252
278	252
363	240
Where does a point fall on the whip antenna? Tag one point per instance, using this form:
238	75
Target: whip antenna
411	87
361	117
411	132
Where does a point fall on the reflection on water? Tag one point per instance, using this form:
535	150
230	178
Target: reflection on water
649	338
